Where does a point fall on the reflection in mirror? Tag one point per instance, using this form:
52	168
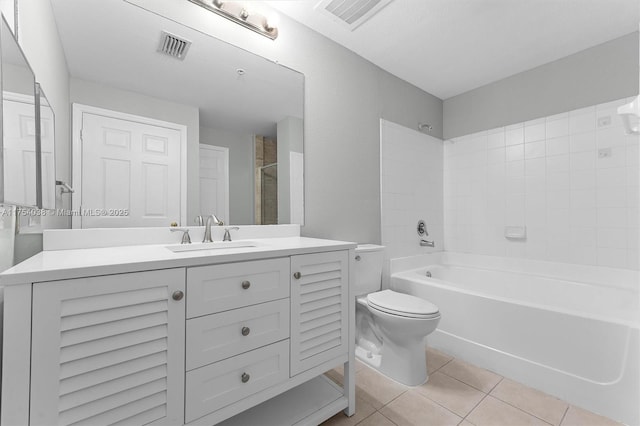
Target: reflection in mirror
18	124
47	149
8	9
227	98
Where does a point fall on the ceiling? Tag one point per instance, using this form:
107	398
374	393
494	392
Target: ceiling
115	44
448	47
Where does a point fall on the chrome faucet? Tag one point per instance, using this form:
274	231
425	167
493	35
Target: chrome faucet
227	234
207	228
199	220
186	239
422	232
426	243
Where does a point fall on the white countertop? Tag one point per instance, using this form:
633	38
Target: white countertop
76	263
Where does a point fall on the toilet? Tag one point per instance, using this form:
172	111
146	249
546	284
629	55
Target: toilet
390	327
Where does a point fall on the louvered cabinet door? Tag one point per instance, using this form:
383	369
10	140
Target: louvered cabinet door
109	349
319	308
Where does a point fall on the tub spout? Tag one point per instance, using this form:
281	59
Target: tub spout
425	243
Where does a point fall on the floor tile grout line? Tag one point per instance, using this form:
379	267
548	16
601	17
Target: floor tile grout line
469	384
520	409
564	415
396	397
496	385
528	412
388	418
448	361
362	420
475	406
439	404
484	394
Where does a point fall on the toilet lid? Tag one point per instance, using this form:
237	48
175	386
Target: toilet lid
401	304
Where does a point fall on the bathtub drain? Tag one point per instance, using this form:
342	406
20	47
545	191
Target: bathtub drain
428	274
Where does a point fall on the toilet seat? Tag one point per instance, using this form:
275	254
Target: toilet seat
400	304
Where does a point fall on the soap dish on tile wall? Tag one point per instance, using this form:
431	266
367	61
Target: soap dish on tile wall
515	232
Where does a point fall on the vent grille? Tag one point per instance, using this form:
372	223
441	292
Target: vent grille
351	13
174	46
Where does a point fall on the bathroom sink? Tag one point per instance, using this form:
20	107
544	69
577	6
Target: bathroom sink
216	245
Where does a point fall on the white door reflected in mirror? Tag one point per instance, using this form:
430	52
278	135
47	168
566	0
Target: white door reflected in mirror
130	171
214	181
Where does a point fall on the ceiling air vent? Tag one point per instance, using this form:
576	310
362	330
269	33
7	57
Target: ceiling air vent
172	45
351	13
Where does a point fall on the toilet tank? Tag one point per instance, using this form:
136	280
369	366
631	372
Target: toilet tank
368	273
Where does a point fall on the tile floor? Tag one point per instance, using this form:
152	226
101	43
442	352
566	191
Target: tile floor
457	393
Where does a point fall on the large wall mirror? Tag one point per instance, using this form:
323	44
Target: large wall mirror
135	108
18	125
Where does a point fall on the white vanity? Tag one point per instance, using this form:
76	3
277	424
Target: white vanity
141	334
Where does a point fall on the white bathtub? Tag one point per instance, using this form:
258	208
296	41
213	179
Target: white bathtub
571	331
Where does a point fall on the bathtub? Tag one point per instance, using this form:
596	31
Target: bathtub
571	331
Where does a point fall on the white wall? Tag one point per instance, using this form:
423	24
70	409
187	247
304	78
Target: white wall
411	189
345	96
241	177
571	179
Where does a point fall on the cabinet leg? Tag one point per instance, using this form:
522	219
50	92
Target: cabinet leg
350	386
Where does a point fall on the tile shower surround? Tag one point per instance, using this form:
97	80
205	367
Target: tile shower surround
411	189
571	179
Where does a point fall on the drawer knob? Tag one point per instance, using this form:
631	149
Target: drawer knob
246	284
245	377
297	275
246	331
358	257
177	295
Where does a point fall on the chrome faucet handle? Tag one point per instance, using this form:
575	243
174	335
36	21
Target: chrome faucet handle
217	221
227	234
186	239
422	228
199	220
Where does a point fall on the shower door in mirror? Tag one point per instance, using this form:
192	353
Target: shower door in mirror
130	171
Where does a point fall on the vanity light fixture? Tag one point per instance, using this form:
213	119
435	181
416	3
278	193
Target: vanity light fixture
237	13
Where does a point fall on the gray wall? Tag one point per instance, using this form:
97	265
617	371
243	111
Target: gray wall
345	96
99	95
241	165
602	73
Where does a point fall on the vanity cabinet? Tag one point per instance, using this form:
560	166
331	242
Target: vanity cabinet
108	349
319	308
189	345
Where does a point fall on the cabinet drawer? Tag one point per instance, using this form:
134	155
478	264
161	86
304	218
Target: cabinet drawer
214	386
219	336
217	288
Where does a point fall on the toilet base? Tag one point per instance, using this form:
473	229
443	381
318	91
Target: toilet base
368	357
405	365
